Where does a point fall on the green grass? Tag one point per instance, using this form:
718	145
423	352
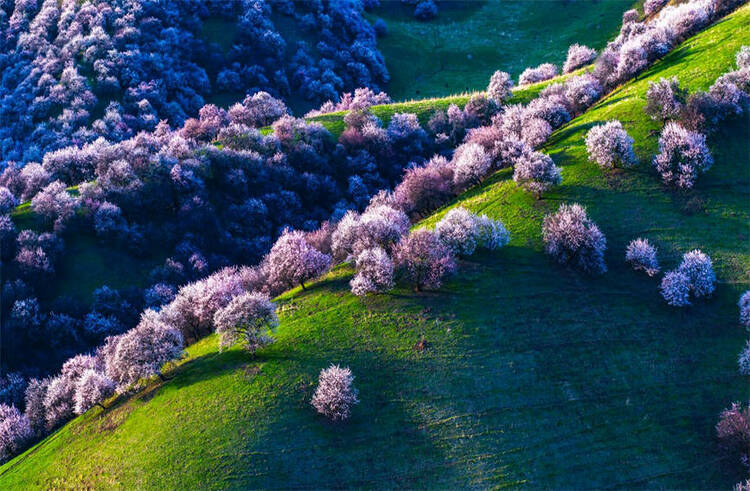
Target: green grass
460	49
533	375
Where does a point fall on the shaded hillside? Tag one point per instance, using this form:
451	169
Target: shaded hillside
517	372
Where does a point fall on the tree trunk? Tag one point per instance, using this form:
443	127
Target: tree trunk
101	406
302	284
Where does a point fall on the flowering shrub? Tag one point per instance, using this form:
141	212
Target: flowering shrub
609	145
675	288
248	318
699	270
422	259
642	256
571	237
536	172
683	154
578	56
499	89
665	99
545	71
492	233
335	394
374	272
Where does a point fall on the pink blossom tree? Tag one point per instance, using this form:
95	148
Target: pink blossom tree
471	164
15	431
499	88
536	172
143	351
423	259
697	266
609	145
545	71
578	56
292	261
733	431
335	394
683	154
665	99
91	389
675	288
248	318
459	230
571	237
374	272
642	256
58	401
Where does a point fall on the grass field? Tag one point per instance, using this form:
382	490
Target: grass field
460	49
530	374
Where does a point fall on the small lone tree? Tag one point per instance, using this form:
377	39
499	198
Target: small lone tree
374	272
571	237
423	259
335	394
642	256
91	389
248	318
536	172
292	261
609	145
683	154
499	89
675	288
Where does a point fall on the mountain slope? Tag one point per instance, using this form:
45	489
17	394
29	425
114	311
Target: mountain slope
529	373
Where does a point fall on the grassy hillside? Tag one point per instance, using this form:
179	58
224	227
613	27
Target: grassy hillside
515	34
517	372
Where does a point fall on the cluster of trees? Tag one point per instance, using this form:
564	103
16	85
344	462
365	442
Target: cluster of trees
214	192
683	152
76	71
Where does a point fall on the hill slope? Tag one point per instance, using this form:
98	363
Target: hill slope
532	373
